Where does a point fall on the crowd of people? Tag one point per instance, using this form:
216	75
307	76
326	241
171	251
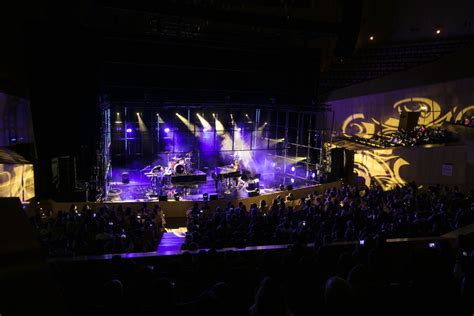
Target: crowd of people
324	278
373	279
109	230
420	135
339	214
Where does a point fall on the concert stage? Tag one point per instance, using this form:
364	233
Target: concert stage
192	187
177	209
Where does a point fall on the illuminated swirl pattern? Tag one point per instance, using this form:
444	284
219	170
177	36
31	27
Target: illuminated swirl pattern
355	125
430	114
382	165
17	181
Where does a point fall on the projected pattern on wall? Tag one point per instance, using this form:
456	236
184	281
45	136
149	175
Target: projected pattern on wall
17	180
431	114
381	165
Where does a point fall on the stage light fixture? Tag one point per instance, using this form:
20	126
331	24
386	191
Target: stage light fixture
239	129
293	168
167	130
438	31
138	113
118	113
371	37
205	130
129	130
313	175
292	180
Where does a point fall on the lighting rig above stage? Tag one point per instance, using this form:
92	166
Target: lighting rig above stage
224	151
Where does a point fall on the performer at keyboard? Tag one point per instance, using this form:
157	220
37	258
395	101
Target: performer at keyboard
236	165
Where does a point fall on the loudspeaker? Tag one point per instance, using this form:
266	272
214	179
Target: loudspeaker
163	198
342	163
213	197
64	173
408	121
337	163
348	162
125	178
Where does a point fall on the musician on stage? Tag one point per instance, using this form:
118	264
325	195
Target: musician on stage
236	165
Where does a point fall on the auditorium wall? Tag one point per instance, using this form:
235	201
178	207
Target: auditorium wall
379	113
424	165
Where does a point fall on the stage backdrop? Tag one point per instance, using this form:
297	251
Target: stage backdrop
16	176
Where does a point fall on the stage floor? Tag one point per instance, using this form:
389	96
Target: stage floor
140	189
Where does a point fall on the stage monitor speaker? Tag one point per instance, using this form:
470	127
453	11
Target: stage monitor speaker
253	193
163	198
213	197
125	178
408	121
289	187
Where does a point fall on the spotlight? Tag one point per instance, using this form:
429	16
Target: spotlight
265	123
167	130
313	175
205	196
293	169
157	114
138	113
292	180
371	37
129	130
274	164
239	129
438	31
118	113
177	114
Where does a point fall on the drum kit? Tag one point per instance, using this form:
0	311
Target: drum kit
160	176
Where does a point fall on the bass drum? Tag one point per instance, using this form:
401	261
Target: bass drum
179	169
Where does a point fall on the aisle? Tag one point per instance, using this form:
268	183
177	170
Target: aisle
172	240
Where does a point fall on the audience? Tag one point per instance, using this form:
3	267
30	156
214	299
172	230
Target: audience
327	278
110	230
345	214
